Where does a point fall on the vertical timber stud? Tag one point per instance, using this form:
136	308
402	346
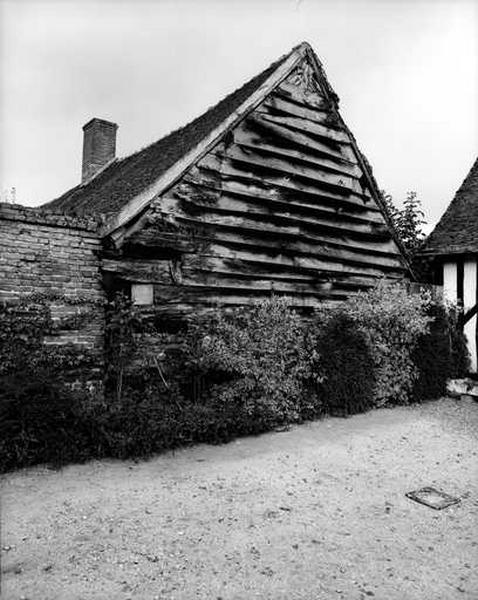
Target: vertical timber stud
470	296
460	268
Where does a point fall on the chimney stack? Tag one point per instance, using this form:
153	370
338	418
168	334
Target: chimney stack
99	146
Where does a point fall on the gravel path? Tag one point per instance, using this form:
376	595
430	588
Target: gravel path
316	512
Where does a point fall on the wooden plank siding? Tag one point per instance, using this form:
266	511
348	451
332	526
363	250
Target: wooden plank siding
279	205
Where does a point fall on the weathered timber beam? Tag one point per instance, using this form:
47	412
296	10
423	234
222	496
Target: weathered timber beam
305	203
309	127
245	269
247	201
287	107
309	247
154	239
292	92
221	270
278	225
251	267
247	139
232	297
283	224
306	248
218	275
339	183
331	149
271	258
139	270
254	286
266	177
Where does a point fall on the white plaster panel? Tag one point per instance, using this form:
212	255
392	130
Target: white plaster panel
449	281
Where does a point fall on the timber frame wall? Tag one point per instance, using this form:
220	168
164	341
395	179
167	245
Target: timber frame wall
460	285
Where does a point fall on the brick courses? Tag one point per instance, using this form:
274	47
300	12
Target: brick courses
56	256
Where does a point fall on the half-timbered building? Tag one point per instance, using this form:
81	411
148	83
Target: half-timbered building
453	246
266	192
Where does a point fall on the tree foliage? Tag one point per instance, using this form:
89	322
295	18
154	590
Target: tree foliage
408	221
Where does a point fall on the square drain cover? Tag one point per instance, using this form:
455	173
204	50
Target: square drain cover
432	498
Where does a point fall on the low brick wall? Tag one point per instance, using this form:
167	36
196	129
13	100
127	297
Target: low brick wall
57	258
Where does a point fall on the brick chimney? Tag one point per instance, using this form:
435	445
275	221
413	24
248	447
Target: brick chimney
99	146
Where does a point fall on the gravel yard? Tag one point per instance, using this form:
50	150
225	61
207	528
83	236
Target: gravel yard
316	512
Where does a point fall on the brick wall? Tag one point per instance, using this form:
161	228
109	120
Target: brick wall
56	256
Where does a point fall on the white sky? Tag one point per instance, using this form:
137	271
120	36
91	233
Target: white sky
406	72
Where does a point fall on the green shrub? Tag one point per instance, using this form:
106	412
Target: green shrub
440	354
347	365
392	321
40	423
258	358
432	357
41	418
460	356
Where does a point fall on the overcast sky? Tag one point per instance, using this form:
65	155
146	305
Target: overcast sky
406	73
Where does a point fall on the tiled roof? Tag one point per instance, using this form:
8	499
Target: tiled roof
125	178
457	230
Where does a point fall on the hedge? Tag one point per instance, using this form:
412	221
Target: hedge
237	372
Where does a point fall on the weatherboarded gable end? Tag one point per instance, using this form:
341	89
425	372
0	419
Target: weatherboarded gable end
267	192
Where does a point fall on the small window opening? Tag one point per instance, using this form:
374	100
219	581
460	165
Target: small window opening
142	293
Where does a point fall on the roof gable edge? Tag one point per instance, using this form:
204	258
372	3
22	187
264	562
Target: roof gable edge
361	159
141	201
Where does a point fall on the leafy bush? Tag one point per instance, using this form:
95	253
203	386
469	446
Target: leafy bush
258	358
40	423
460	356
392	320
441	353
347	365
40	418
236	372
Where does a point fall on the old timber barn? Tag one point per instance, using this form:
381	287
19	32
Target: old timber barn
265	193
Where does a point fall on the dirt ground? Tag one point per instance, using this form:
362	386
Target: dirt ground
316	512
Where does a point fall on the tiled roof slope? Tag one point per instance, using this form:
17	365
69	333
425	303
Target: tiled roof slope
457	230
118	183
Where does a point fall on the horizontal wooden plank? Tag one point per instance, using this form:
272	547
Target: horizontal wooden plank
255	237
237	196
249	139
330	229
242	263
321	191
311	263
285	166
309	127
139	270
224	270
299	139
279	104
256	191
230	296
292	92
282	224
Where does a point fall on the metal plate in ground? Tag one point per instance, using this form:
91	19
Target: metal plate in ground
432	498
